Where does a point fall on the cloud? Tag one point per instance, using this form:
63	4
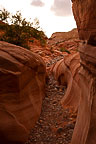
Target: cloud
62	7
37	3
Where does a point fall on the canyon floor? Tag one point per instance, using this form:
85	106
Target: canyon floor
56	124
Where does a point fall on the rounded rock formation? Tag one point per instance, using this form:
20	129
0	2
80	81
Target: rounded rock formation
22	82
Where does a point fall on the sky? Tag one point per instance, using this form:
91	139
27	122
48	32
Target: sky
53	15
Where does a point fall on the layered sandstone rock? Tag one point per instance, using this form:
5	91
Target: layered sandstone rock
81	90
66	72
85	129
22	81
81	87
63	36
85	15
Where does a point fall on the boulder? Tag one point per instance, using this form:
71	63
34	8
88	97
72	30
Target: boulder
22	83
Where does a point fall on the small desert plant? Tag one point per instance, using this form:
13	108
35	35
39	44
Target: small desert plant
20	31
52	49
4	15
62	49
31	40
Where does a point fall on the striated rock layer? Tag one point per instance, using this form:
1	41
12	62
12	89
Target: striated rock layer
85	15
66	72
81	90
85	129
80	76
22	82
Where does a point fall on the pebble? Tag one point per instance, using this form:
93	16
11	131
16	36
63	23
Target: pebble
50	129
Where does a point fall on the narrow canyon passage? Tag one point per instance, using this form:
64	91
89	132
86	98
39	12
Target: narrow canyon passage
56	124
23	71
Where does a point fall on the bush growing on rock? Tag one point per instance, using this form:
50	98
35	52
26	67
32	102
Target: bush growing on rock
20	30
62	49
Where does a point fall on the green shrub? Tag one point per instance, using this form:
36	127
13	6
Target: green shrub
31	41
62	49
20	31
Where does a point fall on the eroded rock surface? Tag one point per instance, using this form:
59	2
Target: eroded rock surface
85	129
85	15
22	82
81	90
81	81
66	72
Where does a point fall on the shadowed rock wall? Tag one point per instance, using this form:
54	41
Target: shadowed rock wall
85	15
22	82
79	74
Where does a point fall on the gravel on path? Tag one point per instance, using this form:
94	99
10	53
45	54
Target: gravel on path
56	124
